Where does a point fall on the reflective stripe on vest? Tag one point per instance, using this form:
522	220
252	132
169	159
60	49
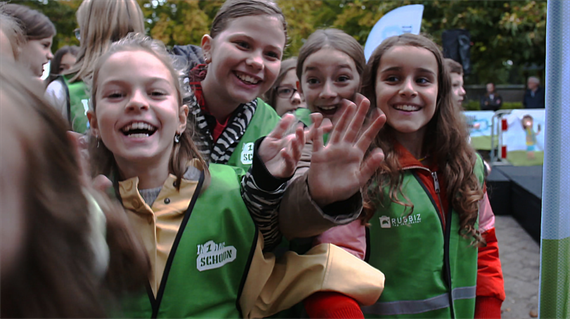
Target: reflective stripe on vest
408	307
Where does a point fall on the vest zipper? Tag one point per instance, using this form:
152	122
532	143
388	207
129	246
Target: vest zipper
446	230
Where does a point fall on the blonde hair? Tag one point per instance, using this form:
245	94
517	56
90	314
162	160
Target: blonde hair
182	152
447	143
101	23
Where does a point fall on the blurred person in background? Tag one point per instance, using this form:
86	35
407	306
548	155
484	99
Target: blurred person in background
100	24
39	31
63	60
283	95
491	101
534	95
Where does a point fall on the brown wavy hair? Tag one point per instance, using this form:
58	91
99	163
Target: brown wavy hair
286	65
446	139
53	273
102	160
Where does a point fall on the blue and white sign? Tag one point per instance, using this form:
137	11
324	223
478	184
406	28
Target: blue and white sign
406	19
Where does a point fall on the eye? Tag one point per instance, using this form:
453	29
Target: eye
313	81
391	78
243	44
273	55
284	90
423	81
343	78
114	95
157	93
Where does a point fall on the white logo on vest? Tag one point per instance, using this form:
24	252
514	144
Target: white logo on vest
247	153
387	222
212	255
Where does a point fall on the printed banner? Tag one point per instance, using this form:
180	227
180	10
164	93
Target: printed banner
406	19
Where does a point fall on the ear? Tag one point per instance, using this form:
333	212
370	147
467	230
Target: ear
93	123
207	45
183	118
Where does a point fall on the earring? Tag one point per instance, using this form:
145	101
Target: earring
207	59
177	138
98	140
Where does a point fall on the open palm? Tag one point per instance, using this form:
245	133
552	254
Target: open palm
339	169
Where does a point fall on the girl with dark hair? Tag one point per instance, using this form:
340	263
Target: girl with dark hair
431	231
64	246
39	31
63	60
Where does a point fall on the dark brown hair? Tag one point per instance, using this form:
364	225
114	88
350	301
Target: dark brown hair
54	273
232	9
35	24
335	39
446	139
286	66
56	61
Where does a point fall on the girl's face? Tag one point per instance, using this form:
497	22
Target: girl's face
137	111
288	98
245	58
328	77
36	53
406	88
67	61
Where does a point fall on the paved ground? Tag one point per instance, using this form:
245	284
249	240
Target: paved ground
520	259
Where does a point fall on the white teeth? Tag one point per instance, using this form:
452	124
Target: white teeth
138	126
407	108
138	135
247	78
327	108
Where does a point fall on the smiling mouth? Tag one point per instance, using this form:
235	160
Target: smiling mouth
138	129
328	110
247	79
407	108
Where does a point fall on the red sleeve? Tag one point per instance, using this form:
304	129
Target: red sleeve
490	284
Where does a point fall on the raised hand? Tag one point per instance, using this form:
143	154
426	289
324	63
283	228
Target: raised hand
281	151
338	170
79	142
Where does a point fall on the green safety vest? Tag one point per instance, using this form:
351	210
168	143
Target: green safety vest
209	260
77	104
264	120
430	272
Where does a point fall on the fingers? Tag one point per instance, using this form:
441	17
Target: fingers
101	183
317	140
316	119
283	126
341	124
356	123
371	131
370	165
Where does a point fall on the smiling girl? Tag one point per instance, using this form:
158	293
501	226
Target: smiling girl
205	250
430	231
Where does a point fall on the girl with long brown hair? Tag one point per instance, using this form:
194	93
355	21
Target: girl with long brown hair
62	242
428	233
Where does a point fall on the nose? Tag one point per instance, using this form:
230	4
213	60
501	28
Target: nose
462	91
328	91
50	55
255	61
137	101
408	88
296	98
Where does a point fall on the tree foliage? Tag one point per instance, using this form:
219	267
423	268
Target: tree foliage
509	37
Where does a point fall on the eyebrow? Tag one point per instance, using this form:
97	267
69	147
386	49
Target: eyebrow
121	81
342	66
399	68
